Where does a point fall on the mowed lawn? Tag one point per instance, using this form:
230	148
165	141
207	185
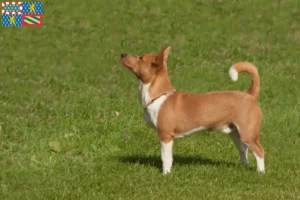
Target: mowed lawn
71	125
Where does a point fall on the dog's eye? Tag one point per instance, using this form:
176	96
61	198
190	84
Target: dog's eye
140	57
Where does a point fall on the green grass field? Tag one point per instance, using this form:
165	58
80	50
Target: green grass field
71	125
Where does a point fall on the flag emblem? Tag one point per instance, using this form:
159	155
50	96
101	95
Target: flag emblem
22	13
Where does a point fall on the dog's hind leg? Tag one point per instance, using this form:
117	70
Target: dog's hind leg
242	147
250	135
258	153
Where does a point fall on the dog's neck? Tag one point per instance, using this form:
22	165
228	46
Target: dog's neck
161	84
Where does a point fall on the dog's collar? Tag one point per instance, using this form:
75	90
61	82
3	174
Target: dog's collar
153	100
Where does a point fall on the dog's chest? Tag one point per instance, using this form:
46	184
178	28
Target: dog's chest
152	111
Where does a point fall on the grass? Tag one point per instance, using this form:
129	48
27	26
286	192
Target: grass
71	124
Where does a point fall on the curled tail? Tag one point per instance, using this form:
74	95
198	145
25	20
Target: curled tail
252	70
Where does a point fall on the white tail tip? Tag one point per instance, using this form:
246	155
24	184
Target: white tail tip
233	74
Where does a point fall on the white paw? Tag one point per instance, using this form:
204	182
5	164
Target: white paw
166	171
261	170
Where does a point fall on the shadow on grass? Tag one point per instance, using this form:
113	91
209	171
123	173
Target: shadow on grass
178	160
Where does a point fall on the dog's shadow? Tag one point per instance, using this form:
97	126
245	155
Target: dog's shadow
155	161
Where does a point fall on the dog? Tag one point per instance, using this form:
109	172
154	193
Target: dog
175	114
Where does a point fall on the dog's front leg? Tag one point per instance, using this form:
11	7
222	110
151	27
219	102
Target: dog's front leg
166	155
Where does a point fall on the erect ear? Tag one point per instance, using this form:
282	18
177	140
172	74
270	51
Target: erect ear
162	57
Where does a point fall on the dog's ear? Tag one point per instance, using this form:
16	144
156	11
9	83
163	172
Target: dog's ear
162	56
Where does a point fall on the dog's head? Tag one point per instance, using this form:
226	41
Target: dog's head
146	66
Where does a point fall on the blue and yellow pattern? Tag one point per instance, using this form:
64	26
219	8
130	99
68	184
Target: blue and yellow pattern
32	8
22	13
11	20
32	20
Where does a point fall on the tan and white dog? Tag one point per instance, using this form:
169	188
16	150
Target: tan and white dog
175	114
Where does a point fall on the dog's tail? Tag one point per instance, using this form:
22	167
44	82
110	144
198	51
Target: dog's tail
252	70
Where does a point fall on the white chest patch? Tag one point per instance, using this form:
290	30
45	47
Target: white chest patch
152	111
143	93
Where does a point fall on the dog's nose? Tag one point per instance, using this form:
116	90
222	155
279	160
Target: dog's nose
123	55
